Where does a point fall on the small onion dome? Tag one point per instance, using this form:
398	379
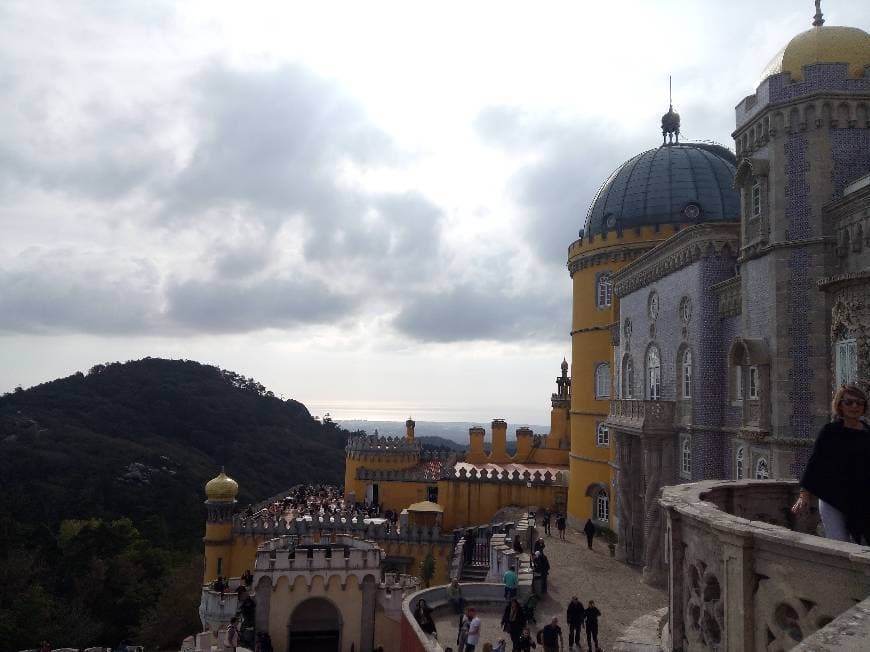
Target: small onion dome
222	489
426	506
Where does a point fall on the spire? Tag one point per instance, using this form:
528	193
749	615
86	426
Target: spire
670	120
818	21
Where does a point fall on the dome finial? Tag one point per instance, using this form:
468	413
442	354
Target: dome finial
818	21
670	120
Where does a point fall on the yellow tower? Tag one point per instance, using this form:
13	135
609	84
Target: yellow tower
645	201
221	493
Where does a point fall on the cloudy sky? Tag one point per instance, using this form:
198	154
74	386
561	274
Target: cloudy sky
365	205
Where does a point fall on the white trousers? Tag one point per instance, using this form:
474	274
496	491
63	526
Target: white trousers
834	521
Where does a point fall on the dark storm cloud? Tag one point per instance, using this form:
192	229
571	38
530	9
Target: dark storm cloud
469	313
60	291
570	161
216	306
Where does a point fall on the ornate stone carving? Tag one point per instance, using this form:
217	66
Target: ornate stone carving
704	611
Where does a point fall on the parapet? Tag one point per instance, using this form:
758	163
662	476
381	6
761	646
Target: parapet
362	444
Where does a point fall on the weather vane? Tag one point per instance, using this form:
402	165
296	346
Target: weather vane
818	21
670	120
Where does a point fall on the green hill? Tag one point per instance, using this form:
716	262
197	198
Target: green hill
102	473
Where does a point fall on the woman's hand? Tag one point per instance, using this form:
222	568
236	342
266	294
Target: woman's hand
802	504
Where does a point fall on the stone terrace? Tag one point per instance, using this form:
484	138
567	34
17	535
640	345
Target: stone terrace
575	570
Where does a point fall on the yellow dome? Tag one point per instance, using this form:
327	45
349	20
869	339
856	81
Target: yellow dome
822	45
222	488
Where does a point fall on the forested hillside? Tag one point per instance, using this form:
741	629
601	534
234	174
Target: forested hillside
101	492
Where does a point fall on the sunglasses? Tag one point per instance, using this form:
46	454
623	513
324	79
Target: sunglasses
849	402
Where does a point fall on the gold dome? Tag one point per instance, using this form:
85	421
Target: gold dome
821	44
222	489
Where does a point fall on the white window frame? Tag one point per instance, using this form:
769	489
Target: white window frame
686	457
762	469
738	383
755	198
602	435
604	290
738	464
753	383
687	374
602	506
846	361
653	374
602	380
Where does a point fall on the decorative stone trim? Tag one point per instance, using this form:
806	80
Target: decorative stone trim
624	252
638	416
681	250
730	298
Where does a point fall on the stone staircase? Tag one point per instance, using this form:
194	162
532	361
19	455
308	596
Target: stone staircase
474	573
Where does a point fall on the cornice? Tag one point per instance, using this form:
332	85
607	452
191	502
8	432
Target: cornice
844	280
620	252
759	248
678	251
591	329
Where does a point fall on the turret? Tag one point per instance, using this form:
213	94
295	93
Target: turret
476	454
499	441
409	429
524	445
221	492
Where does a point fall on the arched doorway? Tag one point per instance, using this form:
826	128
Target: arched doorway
315	626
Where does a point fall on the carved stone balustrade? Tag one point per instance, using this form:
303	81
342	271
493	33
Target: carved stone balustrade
642	417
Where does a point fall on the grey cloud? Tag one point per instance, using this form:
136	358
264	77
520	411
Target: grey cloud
468	313
220	306
60	290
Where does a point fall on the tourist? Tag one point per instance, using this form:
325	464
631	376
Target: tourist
526	643
518	544
423	615
472	637
232	637
514	621
551	636
545	521
501	646
574	617
560	525
589	530
591	617
248	578
511	581
464	624
837	470
542	568
539	546
454	597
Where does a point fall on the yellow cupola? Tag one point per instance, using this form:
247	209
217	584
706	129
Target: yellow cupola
221	489
820	44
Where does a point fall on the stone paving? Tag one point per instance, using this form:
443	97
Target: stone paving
575	570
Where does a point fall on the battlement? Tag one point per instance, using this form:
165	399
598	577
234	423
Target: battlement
465	471
433	466
303	554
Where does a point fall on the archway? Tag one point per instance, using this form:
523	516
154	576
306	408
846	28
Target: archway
315	626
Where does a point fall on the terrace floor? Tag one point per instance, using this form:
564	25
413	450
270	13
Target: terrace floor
574	570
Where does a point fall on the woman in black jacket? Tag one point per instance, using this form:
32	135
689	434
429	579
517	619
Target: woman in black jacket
838	472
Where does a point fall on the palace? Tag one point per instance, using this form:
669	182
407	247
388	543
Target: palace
719	297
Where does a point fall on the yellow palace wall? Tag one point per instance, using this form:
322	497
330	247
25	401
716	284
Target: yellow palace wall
472	502
591	345
385	462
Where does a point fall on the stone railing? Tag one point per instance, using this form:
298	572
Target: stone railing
745	574
415	639
216	609
503	556
503	475
642	416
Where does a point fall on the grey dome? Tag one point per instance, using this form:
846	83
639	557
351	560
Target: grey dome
673	184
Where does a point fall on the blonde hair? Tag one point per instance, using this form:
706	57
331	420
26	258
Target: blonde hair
840	394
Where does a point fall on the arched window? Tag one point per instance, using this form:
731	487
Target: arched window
602	380
686	457
653	374
602	506
753	382
756	197
761	469
846	361
687	374
738	464
604	290
627	378
602	435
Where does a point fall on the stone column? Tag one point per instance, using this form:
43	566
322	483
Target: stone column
653	563
738	598
623	499
369	591
676	597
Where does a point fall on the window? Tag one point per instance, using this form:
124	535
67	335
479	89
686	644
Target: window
687	374
686	457
602	435
220	566
685	310
628	378
753	382
761	469
738	464
756	198
653	374
602	380
432	494
738	383
604	292
846	361
602	506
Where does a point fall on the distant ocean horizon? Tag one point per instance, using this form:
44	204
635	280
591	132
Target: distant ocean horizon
353	411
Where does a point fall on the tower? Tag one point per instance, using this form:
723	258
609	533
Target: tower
221	493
